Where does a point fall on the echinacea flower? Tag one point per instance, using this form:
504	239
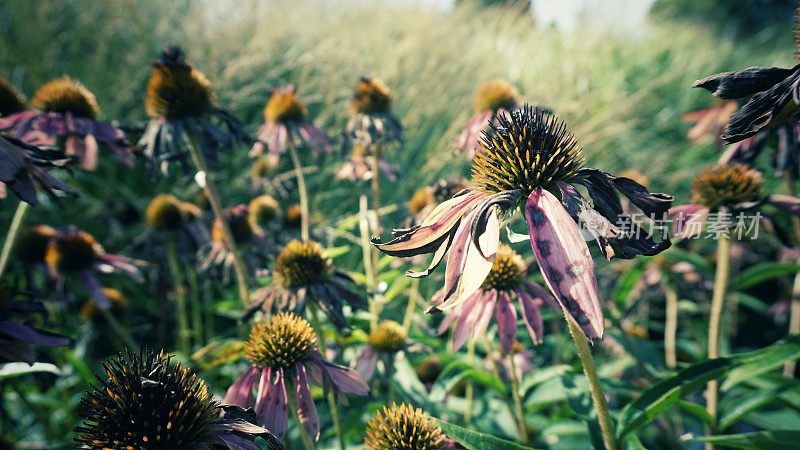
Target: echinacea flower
733	189
709	122
76	253
525	161
359	166
286	120
304	273
385	341
176	220
493	97
23	168
283	354
496	297
11	101
244	235
403	427
372	122
263	213
145	401
180	104
18	332
65	109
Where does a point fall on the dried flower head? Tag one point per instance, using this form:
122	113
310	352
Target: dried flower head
284	106
71	251
508	270
301	263
403	427
429	369
528	149
177	90
238	222
388	336
11	101
262	211
32	243
727	185
65	95
371	96
164	213
494	95
280	342
293	216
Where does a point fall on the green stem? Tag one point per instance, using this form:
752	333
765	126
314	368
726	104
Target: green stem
291	396
670	326
180	298
301	188
469	391
121	331
596	391
332	404
390	378
369	269
203	319
13	234
413	297
216	205
518	409
717	303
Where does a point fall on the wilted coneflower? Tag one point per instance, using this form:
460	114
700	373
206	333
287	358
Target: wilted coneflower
493	97
24	168
221	255
524	159
11	101
18	333
263	212
283	355
360	165
77	253
386	341
177	221
304	273
147	402
286	121
65	109
372	122
403	427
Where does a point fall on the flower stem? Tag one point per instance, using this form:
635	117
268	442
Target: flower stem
518	409
204	327
291	396
794	309
376	188
717	302
180	298
469	391
332	404
369	269
301	188
123	334
197	308
413	297
595	390
670	326
13	233
216	205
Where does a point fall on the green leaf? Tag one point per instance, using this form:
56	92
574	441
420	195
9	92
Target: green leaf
474	440
760	361
747	405
457	371
765	271
696	410
781	439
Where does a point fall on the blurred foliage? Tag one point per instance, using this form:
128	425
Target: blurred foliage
735	17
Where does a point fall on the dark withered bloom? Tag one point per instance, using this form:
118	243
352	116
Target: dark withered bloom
264	213
283	354
372	122
386	341
64	109
170	218
286	121
145	401
403	427
180	104
11	101
303	273
248	240
529	160
359	166
24	168
732	188
18	330
504	286
77	254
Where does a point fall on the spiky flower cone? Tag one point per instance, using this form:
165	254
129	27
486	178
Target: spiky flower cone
403	427
65	95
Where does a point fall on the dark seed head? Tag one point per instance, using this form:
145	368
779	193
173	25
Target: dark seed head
11	101
371	97
164	213
301	263
388	336
294	216
508	270
280	342
529	148
263	210
496	94
727	185
176	90
284	106
32	243
65	95
429	369
403	427
238	222
71	251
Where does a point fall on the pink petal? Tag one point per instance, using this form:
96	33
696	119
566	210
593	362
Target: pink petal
482	321
306	410
564	260
506	321
271	408
688	220
531	315
90	153
241	391
471	310
365	362
345	379
788	203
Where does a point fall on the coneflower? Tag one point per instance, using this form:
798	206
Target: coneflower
11	101
372	121
493	97
263	212
403	427
424	199
282	352
65	109
245	236
524	162
304	273
178	220
145	401
18	335
386	341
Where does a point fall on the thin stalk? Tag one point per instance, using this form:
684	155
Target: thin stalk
204	320
596	391
291	396
717	302
332	404
390	378
197	312
13	233
301	188
670	326
469	391
180	298
413	297
376	187
794	309
121	331
216	205
519	411
369	269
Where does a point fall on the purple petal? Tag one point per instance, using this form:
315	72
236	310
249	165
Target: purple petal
688	220
506	321
788	203
345	379
235	442
271	408
95	290
531	315
31	335
89	153
365	362
482	321
564	260
241	391
469	312
306	410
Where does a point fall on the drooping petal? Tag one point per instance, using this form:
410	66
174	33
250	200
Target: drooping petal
688	220
31	335
744	83
365	362
787	203
506	317
343	378
759	111
471	310
438	256
241	391
271	408
531	315
306	410
565	261
485	316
